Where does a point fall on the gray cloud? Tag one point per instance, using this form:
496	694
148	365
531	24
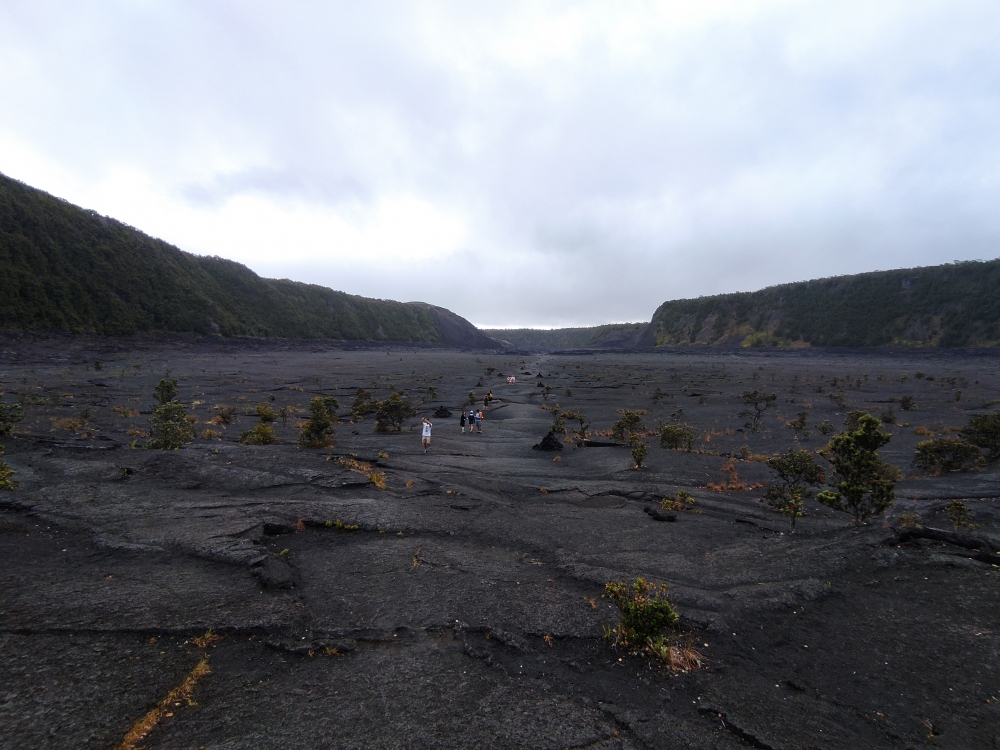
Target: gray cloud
600	160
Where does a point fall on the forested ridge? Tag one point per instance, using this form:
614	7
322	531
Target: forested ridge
69	269
957	304
611	335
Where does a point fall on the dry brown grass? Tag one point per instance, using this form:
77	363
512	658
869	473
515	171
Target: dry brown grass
733	483
209	639
675	655
141	729
121	411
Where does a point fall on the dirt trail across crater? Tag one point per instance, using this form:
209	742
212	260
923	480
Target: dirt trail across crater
461	606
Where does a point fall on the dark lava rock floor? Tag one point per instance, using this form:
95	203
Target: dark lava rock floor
465	609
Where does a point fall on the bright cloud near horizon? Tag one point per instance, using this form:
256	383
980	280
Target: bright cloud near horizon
533	164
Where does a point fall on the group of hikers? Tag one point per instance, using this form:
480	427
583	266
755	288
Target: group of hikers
473	418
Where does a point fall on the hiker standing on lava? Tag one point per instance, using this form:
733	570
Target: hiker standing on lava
472	419
426	437
461	421
479	422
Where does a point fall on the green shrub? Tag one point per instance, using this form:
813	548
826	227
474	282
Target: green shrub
6	483
683	501
825	427
392	412
166	390
907	403
169	428
266	413
674	437
864	483
853	419
757	402
9	416
629	424
644	614
959	515
363	404
262	434
797	472
942	456
800	423
639	451
983	430
319	430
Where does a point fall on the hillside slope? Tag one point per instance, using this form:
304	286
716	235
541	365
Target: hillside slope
951	305
610	336
69	269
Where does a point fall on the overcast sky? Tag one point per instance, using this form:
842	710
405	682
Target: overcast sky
523	164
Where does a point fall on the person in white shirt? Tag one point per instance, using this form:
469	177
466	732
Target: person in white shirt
426	437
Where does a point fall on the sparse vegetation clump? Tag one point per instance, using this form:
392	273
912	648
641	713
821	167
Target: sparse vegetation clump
224	415
757	402
674	437
341	526
363	405
943	455
959	515
639	451
683	501
6	482
169	426
263	433
797	472
265	413
9	416
392	412
864	484
983	431
800	424
644	615
319	430
575	415
629	425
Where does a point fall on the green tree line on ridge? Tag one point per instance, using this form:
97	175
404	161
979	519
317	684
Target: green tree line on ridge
65	268
952	305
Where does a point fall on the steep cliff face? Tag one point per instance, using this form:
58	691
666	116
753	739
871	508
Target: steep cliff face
951	305
68	269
